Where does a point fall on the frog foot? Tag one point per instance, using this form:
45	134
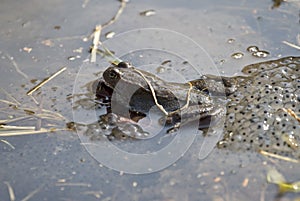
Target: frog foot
174	129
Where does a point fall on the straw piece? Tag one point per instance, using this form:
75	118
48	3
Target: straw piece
9	144
39	85
31	194
96	40
291	45
29	132
11	193
278	156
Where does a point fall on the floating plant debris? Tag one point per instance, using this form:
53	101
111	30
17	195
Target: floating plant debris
10	191
274	177
166	62
260	54
148	13
30	92
256	52
96	39
252	49
237	55
71	58
110	34
98	28
291	45
230	40
277	3
160	69
27	49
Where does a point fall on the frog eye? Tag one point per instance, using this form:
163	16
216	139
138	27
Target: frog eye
112	75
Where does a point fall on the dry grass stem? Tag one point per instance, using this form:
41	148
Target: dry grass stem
44	113
14	120
11	193
96	40
117	15
97	32
6	142
45	81
265	153
17	132
73	184
97	194
12	128
291	45
10	96
32	113
8	102
31	194
108	54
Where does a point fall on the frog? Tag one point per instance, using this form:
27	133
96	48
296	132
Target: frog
261	106
180	102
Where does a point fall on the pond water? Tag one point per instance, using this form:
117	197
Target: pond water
38	38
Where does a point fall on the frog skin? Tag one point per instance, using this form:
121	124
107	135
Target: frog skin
172	96
166	91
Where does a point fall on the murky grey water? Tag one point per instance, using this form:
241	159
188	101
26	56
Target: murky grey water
59	166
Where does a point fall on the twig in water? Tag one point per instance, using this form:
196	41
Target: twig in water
11	193
96	40
28	132
265	153
97	194
14	120
97	32
6	142
9	103
117	15
31	194
291	45
107	53
39	85
73	184
9	128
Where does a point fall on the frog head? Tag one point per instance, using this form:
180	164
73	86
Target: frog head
126	75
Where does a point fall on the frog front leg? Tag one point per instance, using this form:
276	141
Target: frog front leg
190	114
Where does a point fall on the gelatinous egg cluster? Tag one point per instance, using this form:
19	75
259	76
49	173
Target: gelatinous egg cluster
259	113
